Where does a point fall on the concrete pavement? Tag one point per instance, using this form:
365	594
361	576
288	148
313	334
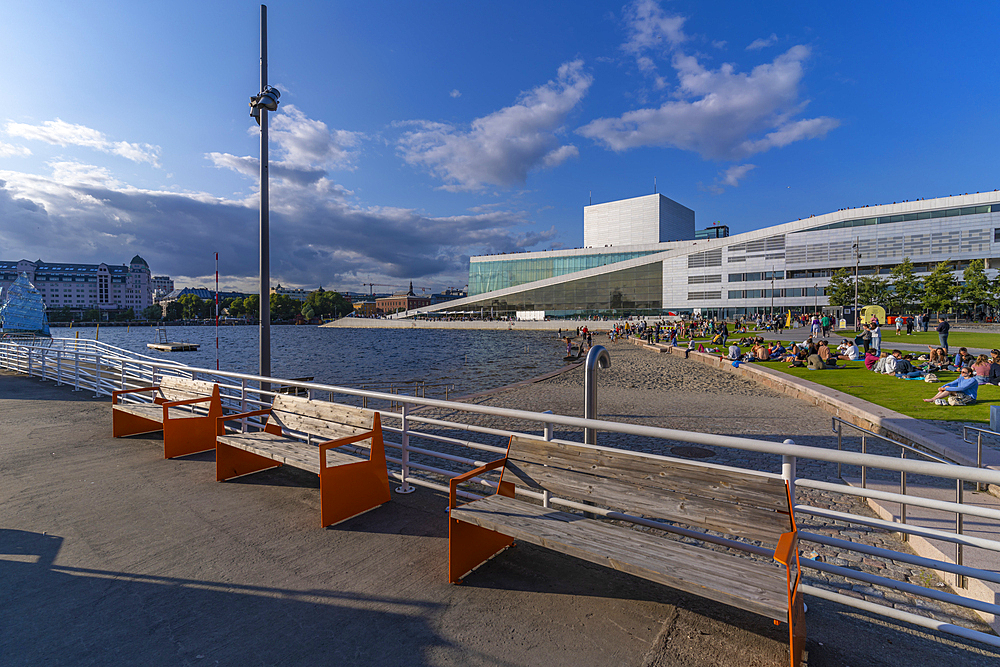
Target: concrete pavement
111	555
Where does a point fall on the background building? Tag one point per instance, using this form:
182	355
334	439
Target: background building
80	287
293	292
161	286
787	266
401	301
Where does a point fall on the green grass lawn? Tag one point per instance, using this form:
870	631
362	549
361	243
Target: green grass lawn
956	339
903	396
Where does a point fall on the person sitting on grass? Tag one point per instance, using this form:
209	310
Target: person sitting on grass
734	352
963	358
777	351
938	358
799	358
849	351
905	370
879	366
823	350
962	391
870	359
760	352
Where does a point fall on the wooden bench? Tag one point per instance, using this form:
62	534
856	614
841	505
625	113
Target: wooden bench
178	409
348	485
707	500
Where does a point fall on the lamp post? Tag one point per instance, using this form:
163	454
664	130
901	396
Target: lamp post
772	292
816	298
264	101
857	267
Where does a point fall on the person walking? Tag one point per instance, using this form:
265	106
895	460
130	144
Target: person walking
942	330
909	325
876	330
826	322
925	320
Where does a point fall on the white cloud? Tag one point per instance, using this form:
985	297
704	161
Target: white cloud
502	147
717	113
61	133
758	44
735	174
11	150
651	30
455	93
79	212
304	141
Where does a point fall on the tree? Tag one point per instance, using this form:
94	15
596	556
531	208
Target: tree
326	304
126	315
840	290
284	307
873	290
91	315
153	312
977	290
175	310
939	289
194	308
906	287
59	315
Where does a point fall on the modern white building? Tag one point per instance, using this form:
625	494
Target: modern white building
84	286
161	286
637	221
786	266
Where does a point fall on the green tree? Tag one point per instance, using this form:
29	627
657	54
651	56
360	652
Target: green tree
251	306
840	290
126	315
873	290
153	312
324	303
906	286
91	315
284	307
175	310
194	308
939	289
976	290
59	314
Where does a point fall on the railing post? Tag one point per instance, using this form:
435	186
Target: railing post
979	459
405	441
788	471
597	357
243	404
840	446
58	368
905	537
97	375
549	434
959	579
29	361
76	370
864	468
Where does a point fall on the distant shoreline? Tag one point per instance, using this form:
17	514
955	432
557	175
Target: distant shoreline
489	325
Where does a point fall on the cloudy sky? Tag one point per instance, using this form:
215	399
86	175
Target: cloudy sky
412	135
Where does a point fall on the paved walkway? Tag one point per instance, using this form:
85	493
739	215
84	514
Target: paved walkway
111	555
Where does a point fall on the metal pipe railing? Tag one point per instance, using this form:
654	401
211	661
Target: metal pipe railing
101	369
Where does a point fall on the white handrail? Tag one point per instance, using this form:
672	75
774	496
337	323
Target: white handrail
104	368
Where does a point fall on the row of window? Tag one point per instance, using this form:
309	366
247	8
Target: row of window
776	293
759	275
907	217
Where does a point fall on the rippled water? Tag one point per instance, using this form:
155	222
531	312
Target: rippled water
466	360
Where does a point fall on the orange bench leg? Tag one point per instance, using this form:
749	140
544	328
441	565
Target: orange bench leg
123	423
233	462
796	631
351	489
470	546
188	436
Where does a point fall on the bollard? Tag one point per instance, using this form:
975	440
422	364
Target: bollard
597	357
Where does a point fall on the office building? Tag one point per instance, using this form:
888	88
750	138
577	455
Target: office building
80	287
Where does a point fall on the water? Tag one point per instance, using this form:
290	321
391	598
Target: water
464	360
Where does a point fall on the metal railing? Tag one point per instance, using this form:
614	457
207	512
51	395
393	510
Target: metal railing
433	448
979	444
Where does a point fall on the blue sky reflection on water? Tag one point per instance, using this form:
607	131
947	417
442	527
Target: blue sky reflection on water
469	360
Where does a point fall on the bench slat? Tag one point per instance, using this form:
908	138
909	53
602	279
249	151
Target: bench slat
174	388
155	412
636	497
742	486
740	582
286	450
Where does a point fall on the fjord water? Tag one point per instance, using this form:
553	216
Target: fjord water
465	360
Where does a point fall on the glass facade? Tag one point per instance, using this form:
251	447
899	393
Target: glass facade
907	217
635	291
503	273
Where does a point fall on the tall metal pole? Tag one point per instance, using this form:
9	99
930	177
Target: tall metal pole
857	268
265	249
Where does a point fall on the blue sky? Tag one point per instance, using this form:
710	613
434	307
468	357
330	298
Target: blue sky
412	135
